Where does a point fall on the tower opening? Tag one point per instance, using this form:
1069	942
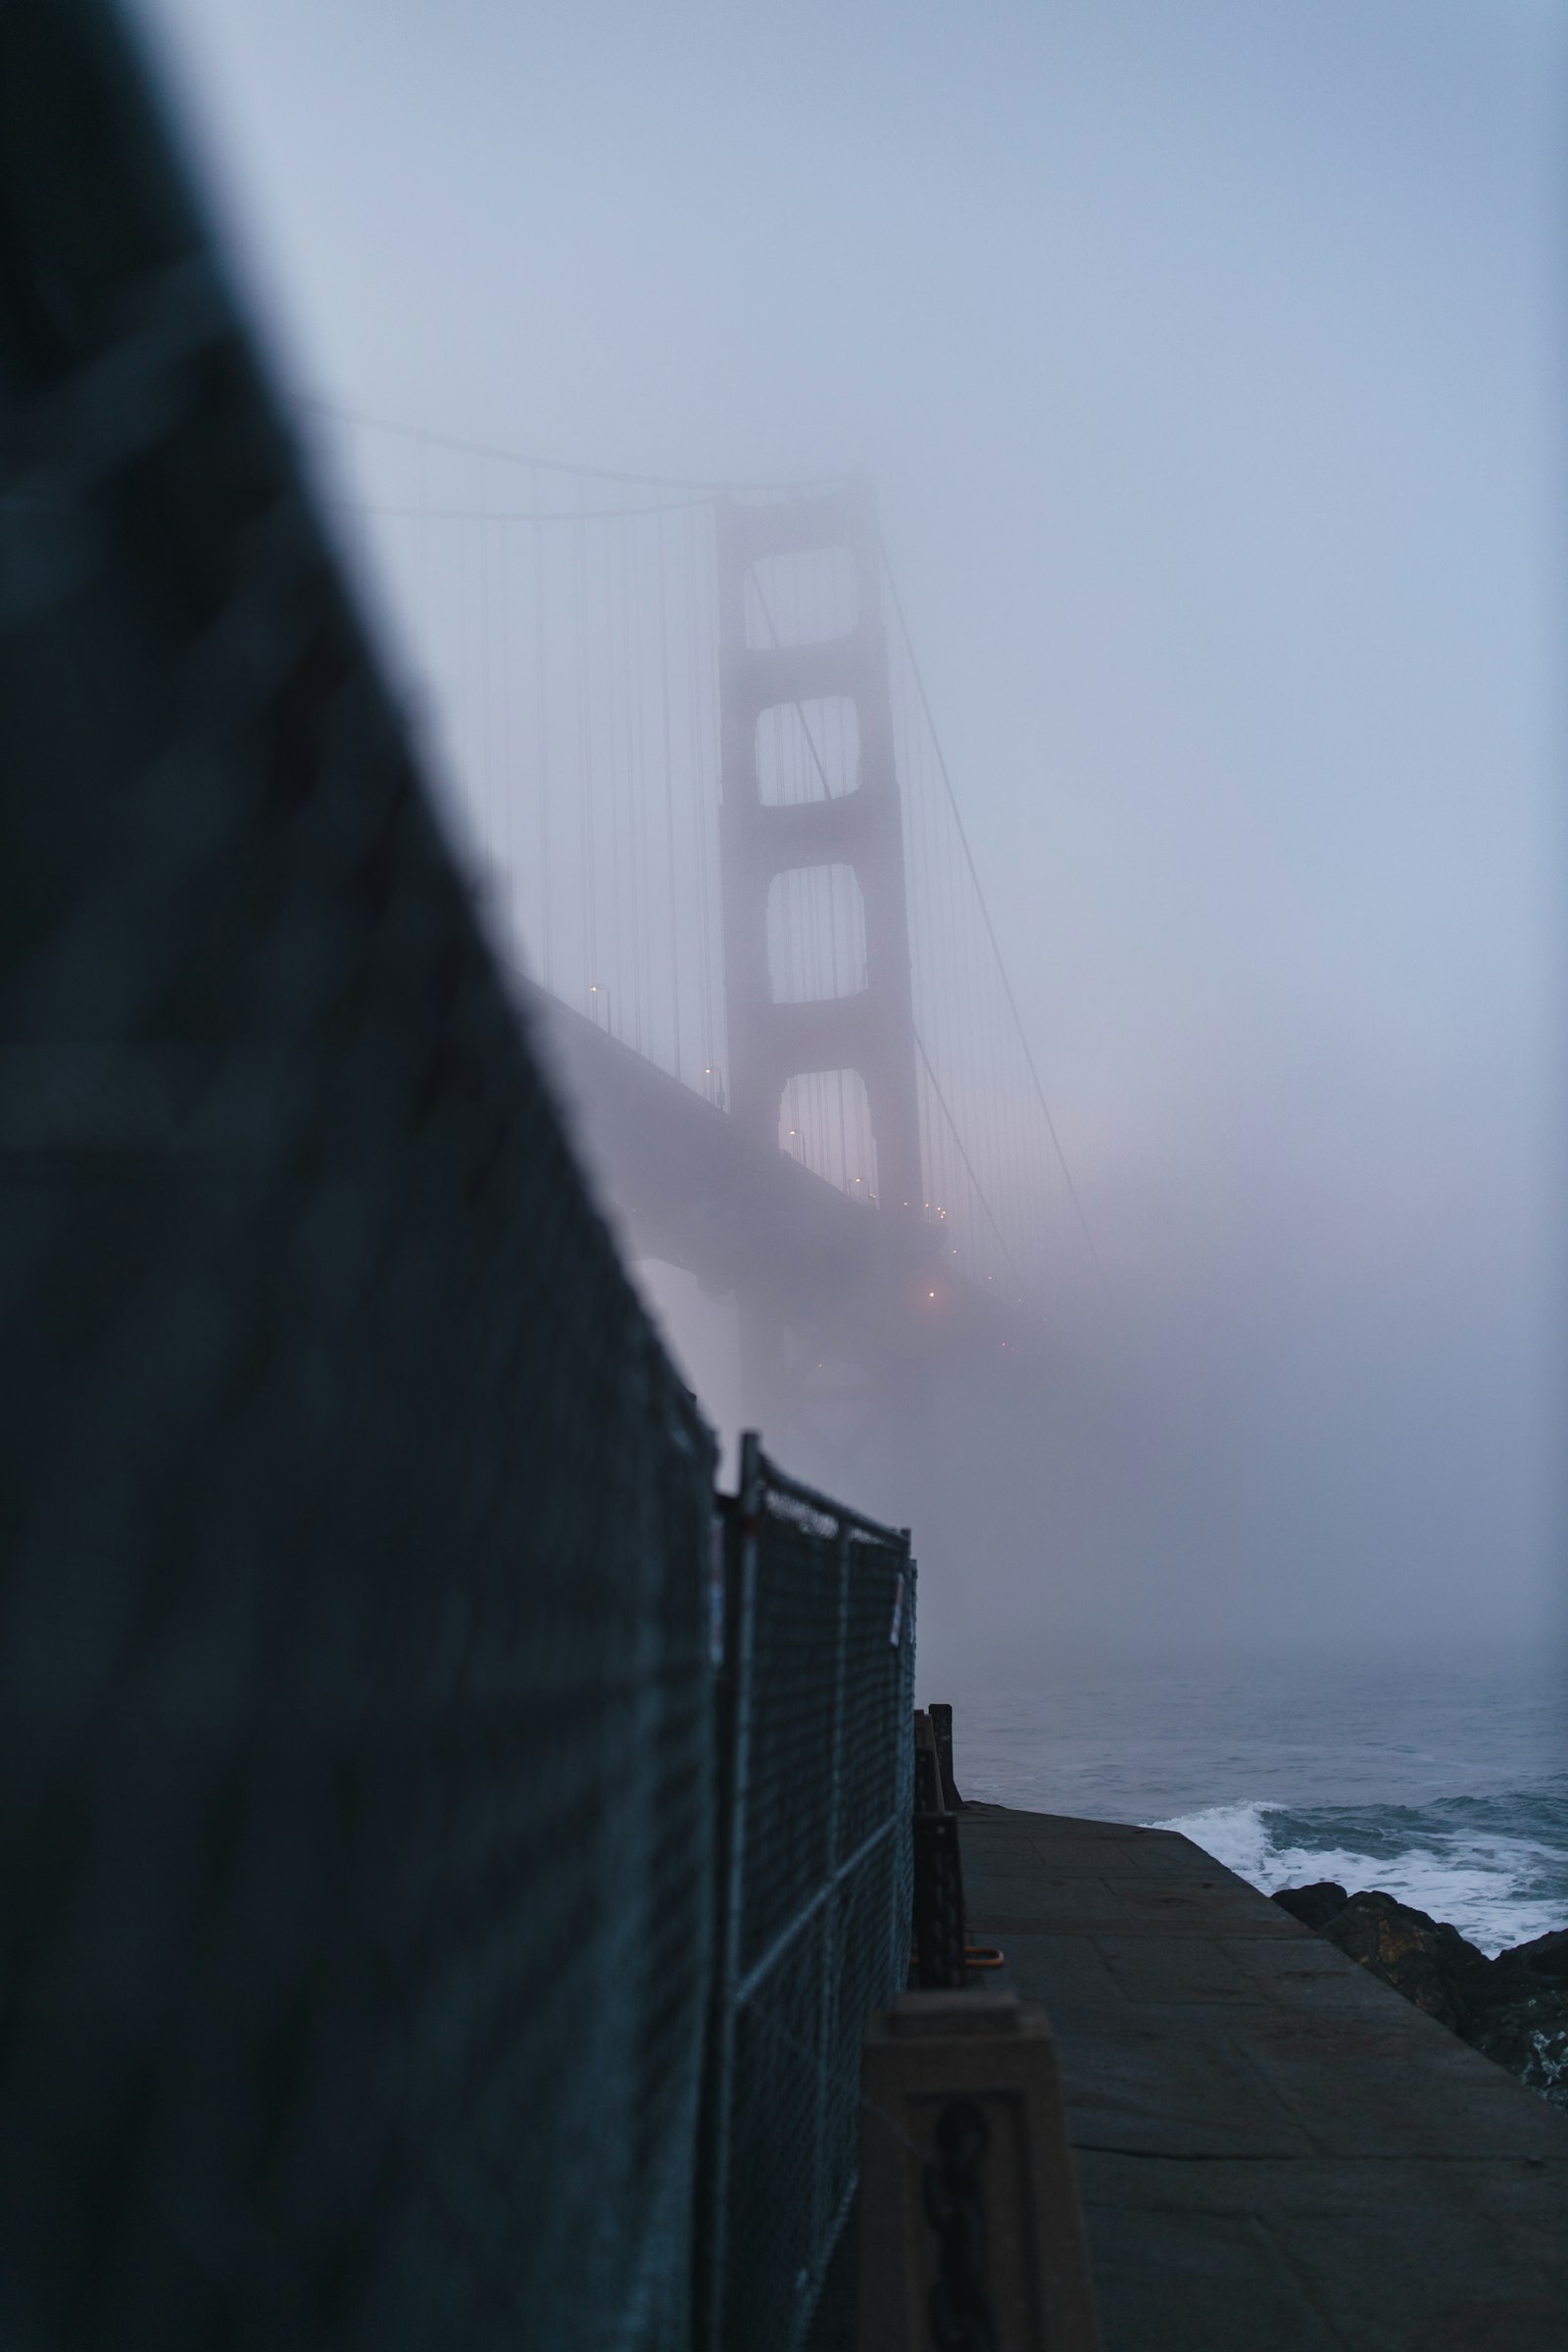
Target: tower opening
808	751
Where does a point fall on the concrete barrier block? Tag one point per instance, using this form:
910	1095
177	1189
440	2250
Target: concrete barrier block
971	2231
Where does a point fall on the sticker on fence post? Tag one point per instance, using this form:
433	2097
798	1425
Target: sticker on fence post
715	1591
896	1627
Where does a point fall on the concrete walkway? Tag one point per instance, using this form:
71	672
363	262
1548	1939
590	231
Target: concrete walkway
1275	2152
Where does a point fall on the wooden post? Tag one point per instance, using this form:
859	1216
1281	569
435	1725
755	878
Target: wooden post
928	1797
942	1733
940	1931
968	2206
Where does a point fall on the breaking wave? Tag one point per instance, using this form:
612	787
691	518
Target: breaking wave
1495	1866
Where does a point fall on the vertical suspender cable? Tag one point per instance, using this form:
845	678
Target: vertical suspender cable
660	529
1012	1006
541	705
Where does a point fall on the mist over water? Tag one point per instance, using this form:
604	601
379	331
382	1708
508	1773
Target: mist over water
1207	363
1442	1783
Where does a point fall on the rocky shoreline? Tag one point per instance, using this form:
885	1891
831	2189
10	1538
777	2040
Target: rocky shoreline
1513	2009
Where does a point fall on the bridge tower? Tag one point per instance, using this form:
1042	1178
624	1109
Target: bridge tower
870	1031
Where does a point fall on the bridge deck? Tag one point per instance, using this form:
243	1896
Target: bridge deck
687	1183
1273	2148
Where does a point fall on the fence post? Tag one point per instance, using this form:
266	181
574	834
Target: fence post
831	1937
903	1768
739	1609
941	1934
927	1766
941	1730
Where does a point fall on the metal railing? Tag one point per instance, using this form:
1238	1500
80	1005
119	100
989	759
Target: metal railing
814	1802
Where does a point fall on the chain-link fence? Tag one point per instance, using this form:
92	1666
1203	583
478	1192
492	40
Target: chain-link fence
356	1771
358	1778
814	1901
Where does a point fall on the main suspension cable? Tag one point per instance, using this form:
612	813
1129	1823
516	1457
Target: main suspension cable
708	485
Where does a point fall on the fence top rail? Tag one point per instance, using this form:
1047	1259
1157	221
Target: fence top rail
775	1486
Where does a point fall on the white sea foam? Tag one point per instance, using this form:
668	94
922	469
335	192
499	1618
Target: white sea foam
1486	1884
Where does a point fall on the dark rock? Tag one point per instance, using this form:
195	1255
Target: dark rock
1514	2009
1530	2037
1530	1968
1518	2013
1315	1905
1424	1958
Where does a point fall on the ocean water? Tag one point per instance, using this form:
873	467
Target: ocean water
1446	1785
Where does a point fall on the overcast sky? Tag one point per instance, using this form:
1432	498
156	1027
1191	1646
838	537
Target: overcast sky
1208	357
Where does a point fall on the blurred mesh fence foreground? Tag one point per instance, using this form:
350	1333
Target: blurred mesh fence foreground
353	1730
357	1753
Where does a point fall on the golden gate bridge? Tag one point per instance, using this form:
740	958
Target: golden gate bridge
687	751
